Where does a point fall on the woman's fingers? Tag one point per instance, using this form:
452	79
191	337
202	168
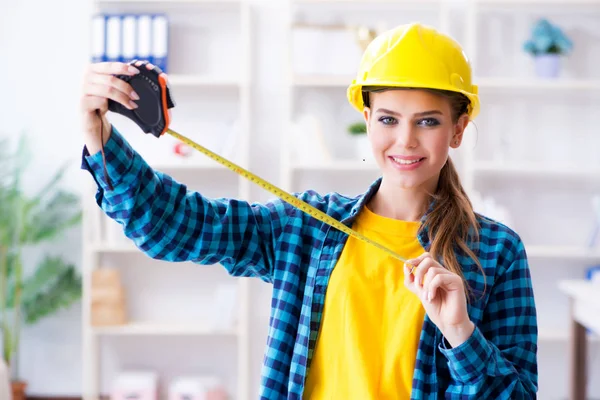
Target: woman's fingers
408	277
110	92
441	281
113	68
420	272
113	81
431	273
422	269
417	261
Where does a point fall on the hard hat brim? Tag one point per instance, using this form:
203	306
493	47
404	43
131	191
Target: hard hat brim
354	93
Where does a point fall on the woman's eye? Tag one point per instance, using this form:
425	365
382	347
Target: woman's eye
428	122
387	120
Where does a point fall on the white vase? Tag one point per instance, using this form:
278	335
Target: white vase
547	65
364	152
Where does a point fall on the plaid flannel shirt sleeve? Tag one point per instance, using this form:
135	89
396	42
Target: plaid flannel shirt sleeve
169	222
499	360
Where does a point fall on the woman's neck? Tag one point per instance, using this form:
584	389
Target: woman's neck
398	203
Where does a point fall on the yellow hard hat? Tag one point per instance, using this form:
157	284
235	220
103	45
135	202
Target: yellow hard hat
415	56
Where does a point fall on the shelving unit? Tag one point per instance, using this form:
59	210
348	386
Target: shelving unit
330	84
190	84
144	328
201	81
536	171
549	263
326	92
585	85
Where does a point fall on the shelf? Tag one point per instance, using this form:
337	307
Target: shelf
115	248
539	2
200	81
209	165
491	168
211	3
337	81
336	166
575	253
343	81
161	329
537	84
560	335
370	2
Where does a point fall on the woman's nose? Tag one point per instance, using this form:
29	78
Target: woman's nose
407	136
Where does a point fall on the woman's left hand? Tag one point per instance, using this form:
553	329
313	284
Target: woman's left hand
443	296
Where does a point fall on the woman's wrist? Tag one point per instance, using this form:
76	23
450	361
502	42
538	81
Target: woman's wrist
458	334
94	140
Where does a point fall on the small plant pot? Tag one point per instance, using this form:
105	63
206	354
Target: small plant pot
18	390
547	66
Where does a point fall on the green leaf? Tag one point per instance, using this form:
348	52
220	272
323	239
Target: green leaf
55	285
12	263
51	218
41	197
357	128
29	220
46	274
7	342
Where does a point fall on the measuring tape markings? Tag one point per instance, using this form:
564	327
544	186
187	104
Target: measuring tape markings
294	201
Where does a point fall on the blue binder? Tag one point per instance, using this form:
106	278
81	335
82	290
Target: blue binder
124	37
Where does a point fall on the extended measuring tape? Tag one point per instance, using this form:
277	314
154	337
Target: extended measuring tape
152	116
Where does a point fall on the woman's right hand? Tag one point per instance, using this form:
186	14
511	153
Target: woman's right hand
99	85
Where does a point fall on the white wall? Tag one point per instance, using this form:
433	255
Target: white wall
43	50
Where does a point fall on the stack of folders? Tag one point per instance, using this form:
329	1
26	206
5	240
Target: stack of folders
125	37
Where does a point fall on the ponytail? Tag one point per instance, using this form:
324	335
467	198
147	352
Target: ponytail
452	223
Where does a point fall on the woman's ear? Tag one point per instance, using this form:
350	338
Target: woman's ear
459	130
367	116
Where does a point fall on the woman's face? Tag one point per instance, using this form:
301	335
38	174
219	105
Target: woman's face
411	132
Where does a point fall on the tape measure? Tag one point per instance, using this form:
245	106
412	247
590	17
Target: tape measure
152	116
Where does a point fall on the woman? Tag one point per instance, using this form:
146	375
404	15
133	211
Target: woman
347	321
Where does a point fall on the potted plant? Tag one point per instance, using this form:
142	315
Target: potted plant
25	221
547	44
363	147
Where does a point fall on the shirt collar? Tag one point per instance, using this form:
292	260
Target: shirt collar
363	199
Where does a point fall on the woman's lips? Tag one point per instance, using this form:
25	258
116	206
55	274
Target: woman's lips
406	163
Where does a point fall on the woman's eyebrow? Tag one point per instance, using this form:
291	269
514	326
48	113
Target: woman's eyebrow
419	114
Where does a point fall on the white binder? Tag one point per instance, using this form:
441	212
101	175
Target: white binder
113	38
144	37
160	41
98	38
129	37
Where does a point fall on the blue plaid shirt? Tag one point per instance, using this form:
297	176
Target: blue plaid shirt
296	253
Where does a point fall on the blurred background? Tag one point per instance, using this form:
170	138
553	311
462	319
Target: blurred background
84	313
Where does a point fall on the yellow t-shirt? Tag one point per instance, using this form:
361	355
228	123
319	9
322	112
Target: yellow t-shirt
368	340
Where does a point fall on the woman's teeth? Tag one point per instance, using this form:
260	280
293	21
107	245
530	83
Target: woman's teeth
405	162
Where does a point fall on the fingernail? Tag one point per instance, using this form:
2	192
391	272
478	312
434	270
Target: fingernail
134	95
133	104
134	70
